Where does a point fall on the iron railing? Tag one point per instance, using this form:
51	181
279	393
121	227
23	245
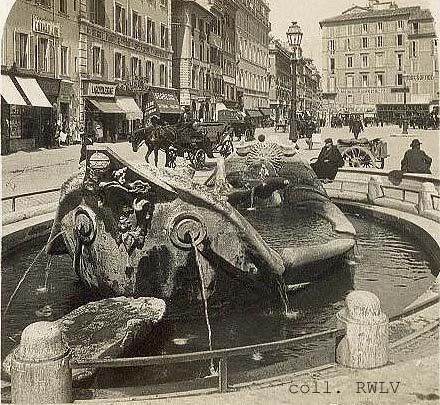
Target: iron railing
14	198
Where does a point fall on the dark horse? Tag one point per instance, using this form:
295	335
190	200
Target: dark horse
156	138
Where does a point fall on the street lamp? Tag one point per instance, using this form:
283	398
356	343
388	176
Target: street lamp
294	36
405	107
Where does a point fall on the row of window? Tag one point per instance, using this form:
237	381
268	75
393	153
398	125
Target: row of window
252	81
366	42
251	52
138	68
365	80
372	28
201	79
39	53
143	29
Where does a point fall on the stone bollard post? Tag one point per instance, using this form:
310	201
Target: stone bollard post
365	344
40	372
425	197
374	188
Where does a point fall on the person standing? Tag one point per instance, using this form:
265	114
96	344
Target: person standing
329	161
416	160
356	127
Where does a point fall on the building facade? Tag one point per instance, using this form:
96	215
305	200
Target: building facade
370	54
308	82
197	45
39	73
125	61
280	80
252	35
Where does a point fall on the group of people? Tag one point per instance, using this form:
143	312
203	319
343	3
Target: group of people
61	132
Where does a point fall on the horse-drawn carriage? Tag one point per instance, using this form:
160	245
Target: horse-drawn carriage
363	152
240	124
191	141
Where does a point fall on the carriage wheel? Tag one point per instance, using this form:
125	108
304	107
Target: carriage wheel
357	156
226	148
198	159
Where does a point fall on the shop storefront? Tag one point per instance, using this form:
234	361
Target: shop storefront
393	113
162	102
25	109
107	113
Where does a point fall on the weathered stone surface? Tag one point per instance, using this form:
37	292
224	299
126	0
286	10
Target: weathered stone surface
128	228
106	328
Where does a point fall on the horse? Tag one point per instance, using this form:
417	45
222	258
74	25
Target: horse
156	138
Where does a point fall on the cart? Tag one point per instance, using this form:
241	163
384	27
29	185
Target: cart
363	152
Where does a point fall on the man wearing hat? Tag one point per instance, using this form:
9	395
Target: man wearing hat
329	160
416	160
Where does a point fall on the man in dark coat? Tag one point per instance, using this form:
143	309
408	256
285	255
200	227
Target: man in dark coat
329	160
356	127
416	160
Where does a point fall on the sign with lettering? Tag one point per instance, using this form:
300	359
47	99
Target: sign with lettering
420	77
363	90
100	90
45	27
122	40
134	84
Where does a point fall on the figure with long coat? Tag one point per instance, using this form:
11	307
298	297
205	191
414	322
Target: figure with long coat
329	161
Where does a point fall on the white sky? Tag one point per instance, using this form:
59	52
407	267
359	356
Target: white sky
308	13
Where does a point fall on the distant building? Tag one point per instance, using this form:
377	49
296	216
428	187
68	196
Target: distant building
280	85
253	27
308	81
197	39
371	53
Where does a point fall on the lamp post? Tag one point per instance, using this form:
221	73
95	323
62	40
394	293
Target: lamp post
405	108
294	36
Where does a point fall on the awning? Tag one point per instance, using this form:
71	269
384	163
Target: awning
10	93
266	112
33	92
132	110
254	113
107	106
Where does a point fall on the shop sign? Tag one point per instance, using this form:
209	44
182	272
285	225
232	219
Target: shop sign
100	90
124	41
363	90
164	96
419	77
45	27
135	84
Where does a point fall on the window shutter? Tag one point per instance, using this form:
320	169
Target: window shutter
17	47
51	50
102	62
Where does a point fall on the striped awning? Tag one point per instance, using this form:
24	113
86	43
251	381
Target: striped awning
10	92
33	92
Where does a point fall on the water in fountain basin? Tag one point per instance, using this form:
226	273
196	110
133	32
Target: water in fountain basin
392	265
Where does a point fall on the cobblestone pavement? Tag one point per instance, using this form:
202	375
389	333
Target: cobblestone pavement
42	169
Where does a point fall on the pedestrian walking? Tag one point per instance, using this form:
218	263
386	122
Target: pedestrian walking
329	161
356	127
416	160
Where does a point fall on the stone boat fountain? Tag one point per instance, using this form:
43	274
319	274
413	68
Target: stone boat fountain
135	230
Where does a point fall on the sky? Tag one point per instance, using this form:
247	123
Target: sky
308	13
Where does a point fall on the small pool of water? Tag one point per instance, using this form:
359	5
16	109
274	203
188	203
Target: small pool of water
389	263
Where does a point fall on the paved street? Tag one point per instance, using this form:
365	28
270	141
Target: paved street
44	169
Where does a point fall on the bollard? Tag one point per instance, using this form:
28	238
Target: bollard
40	372
425	197
365	344
374	188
